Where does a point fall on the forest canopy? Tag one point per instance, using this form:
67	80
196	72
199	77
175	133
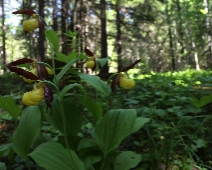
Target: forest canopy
166	35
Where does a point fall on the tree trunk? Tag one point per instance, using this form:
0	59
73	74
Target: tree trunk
3	36
63	25
170	38
54	13
41	40
205	4
180	28
104	71
118	39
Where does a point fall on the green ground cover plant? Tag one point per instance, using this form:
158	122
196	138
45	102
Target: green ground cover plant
164	122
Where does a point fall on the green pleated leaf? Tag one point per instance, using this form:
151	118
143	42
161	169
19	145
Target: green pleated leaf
87	145
94	107
91	159
73	116
64	58
113	128
27	130
65	69
127	160
202	102
97	83
103	61
52	156
69	87
53	38
139	122
9	105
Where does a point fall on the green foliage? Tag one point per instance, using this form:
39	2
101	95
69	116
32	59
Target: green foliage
53	156
9	105
126	160
88	127
27	130
53	38
71	112
113	128
97	83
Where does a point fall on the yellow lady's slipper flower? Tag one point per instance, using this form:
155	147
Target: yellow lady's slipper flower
90	64
50	72
33	97
126	83
32	23
34	71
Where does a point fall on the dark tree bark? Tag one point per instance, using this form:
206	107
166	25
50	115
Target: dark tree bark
104	71
118	39
170	38
41	40
63	25
54	13
180	27
3	36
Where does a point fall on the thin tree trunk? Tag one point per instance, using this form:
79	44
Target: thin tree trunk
104	71
180	28
195	56
205	4
170	38
187	33
3	37
41	40
118	39
54	13
63	25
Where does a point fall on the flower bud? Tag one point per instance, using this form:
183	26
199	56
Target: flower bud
33	97
126	83
90	64
31	24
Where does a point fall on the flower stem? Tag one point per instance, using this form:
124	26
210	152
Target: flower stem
65	129
103	162
28	163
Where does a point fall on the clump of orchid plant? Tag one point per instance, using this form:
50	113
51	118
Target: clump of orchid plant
38	73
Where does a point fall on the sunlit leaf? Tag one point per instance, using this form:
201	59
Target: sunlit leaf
53	38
